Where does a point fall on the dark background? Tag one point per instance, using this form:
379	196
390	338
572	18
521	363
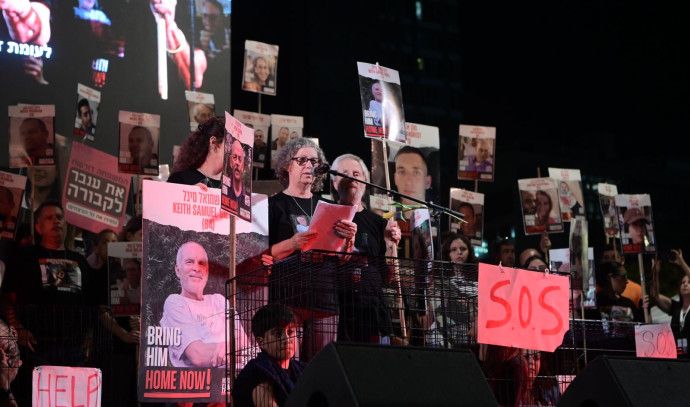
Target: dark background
597	86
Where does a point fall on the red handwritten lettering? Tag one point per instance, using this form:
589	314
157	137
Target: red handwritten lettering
504	303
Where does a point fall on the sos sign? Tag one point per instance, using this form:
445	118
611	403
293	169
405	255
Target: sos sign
522	308
655	341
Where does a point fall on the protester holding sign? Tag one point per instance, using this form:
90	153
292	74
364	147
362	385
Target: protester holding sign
201	157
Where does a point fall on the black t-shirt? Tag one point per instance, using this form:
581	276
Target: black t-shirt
299	283
55	295
620	309
288	215
679	332
193	177
370	229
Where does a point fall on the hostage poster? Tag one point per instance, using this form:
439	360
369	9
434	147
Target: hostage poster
540	208
635	223
236	185
476	153
382	106
182	354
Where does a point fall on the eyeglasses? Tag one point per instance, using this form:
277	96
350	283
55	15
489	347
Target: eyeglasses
302	161
622	276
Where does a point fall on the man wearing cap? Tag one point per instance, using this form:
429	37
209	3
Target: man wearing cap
636	225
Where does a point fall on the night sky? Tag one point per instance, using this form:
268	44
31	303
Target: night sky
601	86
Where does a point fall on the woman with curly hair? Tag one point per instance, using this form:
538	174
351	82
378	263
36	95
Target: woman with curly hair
201	157
310	288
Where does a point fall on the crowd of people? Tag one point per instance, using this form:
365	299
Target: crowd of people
48	282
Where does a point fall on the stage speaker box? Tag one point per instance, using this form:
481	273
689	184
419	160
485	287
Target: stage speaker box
344	374
619	381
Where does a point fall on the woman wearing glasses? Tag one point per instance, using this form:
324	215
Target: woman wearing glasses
309	291
612	279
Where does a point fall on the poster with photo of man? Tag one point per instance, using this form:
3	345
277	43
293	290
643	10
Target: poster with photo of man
88	101
11	191
413	168
283	129
236	180
32	135
186	249
539	201
382	105
560	260
635	223
201	107
260	67
569	186
470	204
139	143
607	204
260	123
476	153
124	278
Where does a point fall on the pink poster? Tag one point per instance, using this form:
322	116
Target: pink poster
521	308
184	328
95	193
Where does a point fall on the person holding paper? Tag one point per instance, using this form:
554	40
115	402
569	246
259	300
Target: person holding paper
201	156
317	306
364	315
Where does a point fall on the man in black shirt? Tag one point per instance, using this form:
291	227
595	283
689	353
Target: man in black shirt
46	298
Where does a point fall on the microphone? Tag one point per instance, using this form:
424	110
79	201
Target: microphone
320	170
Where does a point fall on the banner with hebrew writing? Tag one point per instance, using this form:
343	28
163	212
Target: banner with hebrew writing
95	194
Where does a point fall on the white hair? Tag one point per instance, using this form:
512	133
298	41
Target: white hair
338	160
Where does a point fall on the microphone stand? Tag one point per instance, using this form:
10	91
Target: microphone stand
437	211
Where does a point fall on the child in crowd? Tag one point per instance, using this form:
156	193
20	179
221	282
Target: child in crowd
268	379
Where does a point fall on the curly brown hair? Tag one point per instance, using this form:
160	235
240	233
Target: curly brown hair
284	158
194	151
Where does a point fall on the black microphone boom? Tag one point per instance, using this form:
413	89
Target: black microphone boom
320	170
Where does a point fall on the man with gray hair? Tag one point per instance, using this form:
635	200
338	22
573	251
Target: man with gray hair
199	317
